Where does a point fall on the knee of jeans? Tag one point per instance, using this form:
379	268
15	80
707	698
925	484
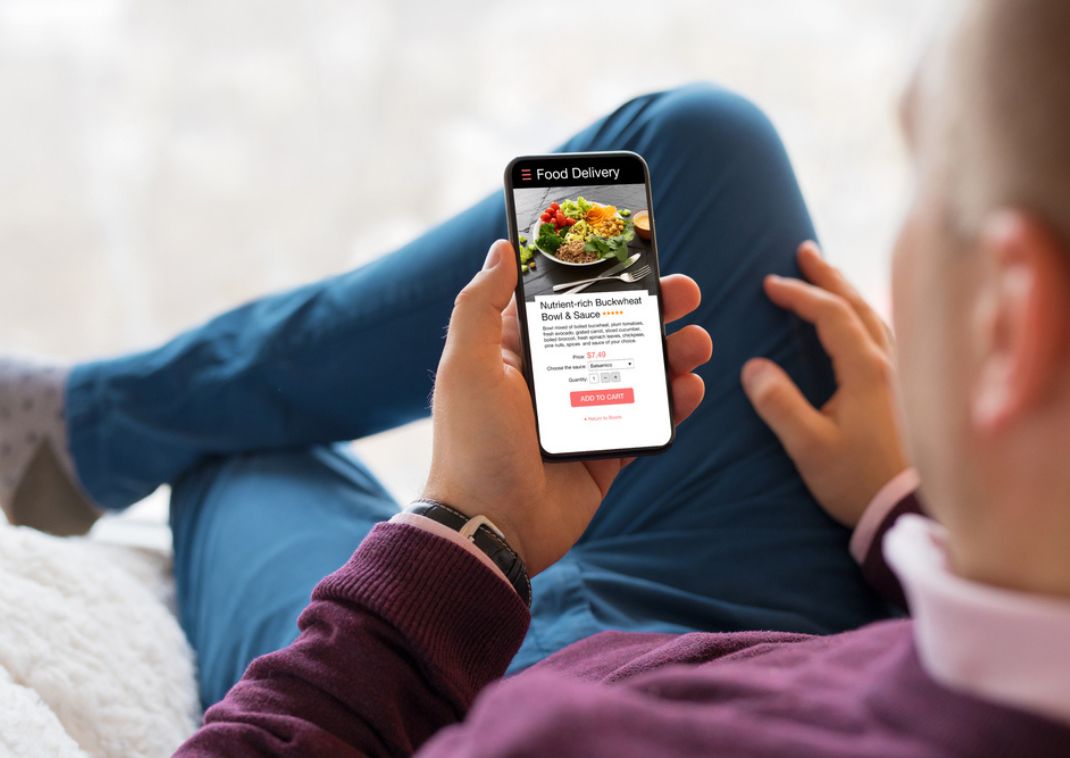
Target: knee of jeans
704	118
190	492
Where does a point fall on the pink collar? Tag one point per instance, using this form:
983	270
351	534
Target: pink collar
1006	646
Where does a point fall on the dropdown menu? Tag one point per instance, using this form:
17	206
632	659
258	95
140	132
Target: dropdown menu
617	363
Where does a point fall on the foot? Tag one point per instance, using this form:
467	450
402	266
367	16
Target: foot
38	486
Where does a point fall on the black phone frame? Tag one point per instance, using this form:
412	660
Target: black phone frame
521	309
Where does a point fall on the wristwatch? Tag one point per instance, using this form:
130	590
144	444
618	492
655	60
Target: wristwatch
484	535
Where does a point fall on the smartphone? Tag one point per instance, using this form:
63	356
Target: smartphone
589	303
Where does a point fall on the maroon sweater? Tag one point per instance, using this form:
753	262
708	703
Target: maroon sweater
403	649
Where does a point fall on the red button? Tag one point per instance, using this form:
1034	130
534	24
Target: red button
602	397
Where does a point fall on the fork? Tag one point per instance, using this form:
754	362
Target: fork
628	277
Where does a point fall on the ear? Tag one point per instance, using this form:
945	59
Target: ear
1022	319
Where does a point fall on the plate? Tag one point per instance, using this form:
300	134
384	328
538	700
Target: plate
533	234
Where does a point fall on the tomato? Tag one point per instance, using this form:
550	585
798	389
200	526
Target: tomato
555	206
545	218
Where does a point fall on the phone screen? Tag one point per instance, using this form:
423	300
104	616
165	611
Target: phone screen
595	352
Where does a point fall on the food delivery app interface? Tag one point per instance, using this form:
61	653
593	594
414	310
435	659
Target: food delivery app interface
596	348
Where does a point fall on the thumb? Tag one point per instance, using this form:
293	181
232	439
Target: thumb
781	405
475	329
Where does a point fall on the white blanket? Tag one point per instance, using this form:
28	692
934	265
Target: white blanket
92	660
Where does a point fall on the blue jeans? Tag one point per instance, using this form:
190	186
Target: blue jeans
241	416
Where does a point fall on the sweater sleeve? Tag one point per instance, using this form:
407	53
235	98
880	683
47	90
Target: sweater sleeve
393	646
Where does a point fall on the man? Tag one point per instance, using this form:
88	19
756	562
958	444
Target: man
401	647
719	535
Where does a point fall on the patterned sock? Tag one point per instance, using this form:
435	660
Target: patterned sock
38	486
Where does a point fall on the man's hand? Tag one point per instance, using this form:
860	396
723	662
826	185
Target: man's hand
486	458
852	446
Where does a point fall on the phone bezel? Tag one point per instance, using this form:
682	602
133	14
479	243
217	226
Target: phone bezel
514	236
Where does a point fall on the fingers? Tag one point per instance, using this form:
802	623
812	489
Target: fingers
513	358
842	334
688	349
820	272
475	329
688	390
687	393
775	398
680	295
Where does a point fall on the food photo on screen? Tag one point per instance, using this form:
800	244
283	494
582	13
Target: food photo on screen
569	236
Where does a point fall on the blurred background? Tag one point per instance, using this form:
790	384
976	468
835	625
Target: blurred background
161	160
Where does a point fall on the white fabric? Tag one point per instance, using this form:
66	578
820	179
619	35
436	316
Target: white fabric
999	644
92	661
901	485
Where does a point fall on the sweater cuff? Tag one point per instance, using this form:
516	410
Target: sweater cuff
454	612
879	507
443	531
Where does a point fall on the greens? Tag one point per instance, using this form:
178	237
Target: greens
551	236
548	239
527	257
613	246
577	208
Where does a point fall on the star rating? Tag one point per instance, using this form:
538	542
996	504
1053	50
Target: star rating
612	313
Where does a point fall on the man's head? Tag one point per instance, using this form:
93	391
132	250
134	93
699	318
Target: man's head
982	289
